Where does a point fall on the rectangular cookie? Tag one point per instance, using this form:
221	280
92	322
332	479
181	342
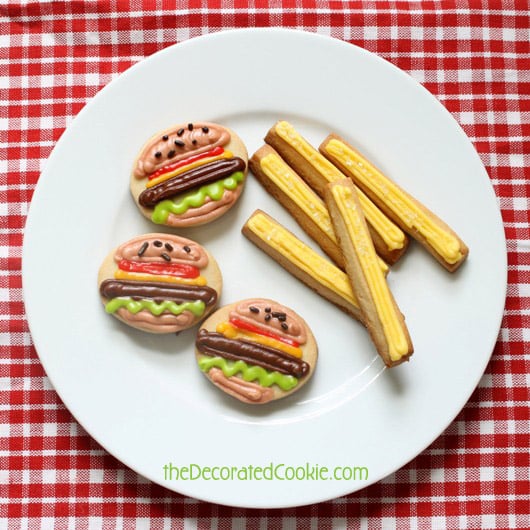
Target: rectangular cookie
407	212
291	191
389	240
301	261
379	310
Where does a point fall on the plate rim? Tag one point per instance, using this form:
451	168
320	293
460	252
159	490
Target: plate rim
216	35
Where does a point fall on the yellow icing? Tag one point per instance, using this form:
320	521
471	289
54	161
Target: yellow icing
142	277
183	169
391	234
298	191
380	293
443	241
302	256
289	134
231	332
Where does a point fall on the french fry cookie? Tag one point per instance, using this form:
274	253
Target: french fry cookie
306	207
380	312
389	240
412	216
301	261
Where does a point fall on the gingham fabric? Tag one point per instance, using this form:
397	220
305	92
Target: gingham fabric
474	56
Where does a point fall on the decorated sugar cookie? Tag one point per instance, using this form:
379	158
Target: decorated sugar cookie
159	283
190	174
256	350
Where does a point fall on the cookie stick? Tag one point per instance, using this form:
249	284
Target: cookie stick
389	240
307	208
301	261
414	218
380	312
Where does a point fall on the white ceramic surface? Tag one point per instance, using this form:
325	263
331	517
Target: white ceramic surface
141	396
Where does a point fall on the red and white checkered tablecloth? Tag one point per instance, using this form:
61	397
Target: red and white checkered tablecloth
474	56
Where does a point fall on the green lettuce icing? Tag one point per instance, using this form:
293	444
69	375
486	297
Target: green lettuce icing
248	373
134	306
195	198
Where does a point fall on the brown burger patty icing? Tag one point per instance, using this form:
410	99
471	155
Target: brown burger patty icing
157	291
191	179
216	344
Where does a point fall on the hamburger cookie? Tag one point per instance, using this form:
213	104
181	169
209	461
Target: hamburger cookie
159	283
256	350
190	174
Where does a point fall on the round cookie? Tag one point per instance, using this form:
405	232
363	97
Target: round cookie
190	174
159	283
256	350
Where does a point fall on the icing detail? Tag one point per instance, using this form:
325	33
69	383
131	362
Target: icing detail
134	306
209	211
217	345
178	144
157	291
178	270
200	176
268	316
391	234
248	372
231	332
445	243
302	256
166	322
150	249
388	231
364	248
298	191
123	275
244	324
195	198
244	390
171	168
188	167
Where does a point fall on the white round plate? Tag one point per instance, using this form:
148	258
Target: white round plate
142	397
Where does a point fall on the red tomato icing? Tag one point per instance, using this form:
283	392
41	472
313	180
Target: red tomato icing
216	151
167	269
249	327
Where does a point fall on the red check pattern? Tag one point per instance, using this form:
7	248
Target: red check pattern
473	55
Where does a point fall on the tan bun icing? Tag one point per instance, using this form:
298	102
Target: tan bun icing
202	137
158	324
178	249
260	308
240	389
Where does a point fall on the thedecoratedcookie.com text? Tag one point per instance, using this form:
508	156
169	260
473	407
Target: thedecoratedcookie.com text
271	471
